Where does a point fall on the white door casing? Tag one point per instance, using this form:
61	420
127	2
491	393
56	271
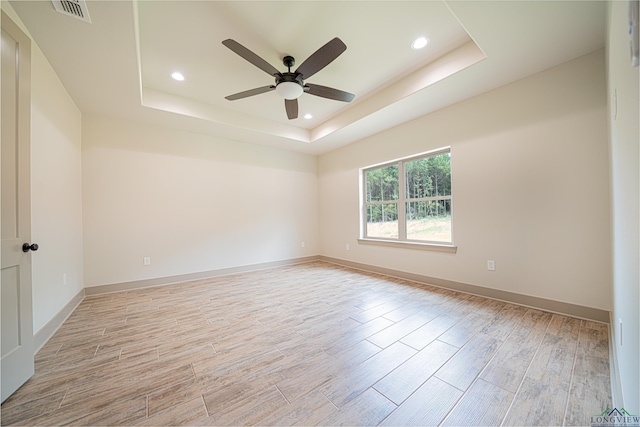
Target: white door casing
16	308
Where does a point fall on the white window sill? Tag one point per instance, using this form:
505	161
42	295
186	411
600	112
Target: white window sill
434	247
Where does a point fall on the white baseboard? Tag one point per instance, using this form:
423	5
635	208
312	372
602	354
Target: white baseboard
161	281
41	337
573	310
614	370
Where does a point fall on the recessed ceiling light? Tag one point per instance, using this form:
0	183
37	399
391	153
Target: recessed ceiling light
419	43
308	116
177	76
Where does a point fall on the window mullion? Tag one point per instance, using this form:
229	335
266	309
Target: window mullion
402	206
363	207
427	199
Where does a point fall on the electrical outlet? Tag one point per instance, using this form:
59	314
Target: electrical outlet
64	279
146	260
347	247
302	244
491	265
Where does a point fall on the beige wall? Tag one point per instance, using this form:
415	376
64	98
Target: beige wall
624	99
56	191
530	184
191	202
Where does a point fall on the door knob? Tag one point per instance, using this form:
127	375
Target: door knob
29	247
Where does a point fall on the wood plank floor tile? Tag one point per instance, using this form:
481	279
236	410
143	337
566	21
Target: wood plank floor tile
230	394
360	333
408	377
308	410
378	311
242	360
592	353
302	374
185	413
544	393
143	354
472	324
343	389
509	365
58	375
189	353
424	335
84	351
501	326
11	414
330	321
598	326
407	310
136	385
464	305
107	413
428	406
250	411
484	405
589	388
400	329
350	357
174	394
313	343
587	396
154	322
468	362
47	352
554	360
537	403
368	409
295	343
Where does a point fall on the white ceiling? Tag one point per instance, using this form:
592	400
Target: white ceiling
119	65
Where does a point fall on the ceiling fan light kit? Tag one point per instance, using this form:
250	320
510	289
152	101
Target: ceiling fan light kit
290	85
289	90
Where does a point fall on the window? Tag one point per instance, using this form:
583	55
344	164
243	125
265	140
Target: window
409	200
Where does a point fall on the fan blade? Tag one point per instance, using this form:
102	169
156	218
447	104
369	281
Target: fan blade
321	58
291	105
250	92
329	92
251	57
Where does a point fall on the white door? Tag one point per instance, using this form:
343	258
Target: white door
17	321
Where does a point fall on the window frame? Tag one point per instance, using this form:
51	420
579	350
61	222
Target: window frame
402	241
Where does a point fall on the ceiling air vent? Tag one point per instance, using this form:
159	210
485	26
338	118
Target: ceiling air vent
76	8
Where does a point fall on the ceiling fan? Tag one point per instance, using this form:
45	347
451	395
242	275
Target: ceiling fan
290	85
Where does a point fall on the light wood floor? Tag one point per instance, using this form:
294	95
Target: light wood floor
314	344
